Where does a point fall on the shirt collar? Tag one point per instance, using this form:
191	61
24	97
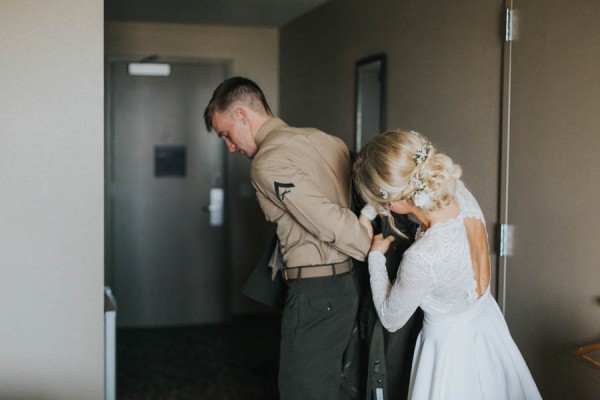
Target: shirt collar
268	127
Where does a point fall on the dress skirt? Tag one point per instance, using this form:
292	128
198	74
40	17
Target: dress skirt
469	356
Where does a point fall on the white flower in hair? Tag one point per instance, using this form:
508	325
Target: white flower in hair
422	199
422	153
418	183
384	193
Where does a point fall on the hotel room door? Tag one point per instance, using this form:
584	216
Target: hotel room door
167	205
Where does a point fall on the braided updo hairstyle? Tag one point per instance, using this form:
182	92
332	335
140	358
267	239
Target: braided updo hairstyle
403	165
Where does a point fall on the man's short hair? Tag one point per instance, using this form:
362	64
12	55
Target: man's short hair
232	90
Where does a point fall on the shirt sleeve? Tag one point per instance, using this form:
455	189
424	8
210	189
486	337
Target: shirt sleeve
290	188
395	303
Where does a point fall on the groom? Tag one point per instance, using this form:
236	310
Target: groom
302	182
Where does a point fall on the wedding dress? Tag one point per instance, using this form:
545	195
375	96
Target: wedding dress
464	350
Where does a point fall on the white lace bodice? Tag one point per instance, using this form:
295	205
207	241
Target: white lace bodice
436	272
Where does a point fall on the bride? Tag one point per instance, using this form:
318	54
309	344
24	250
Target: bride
464	350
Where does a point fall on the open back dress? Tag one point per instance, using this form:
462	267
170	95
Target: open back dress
464	350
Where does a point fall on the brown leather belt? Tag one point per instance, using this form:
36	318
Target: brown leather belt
317	271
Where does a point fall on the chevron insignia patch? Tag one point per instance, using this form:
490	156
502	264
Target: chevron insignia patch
281	189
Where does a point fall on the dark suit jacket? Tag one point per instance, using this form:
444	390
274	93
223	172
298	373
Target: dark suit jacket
260	285
390	361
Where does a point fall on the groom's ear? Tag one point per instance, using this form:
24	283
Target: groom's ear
240	113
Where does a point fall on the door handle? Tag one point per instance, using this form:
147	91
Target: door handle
216	206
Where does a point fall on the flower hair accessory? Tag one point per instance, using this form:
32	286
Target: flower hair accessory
418	183
422	153
384	193
421	197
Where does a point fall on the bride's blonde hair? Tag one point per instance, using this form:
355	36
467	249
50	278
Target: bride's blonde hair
388	165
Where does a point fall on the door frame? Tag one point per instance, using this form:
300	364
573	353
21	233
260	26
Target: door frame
502	260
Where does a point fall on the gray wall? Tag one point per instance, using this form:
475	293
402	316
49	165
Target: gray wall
444	76
51	175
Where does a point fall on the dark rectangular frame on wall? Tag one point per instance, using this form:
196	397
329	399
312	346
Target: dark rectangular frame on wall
361	64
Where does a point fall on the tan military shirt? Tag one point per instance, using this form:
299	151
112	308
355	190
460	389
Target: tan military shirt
302	179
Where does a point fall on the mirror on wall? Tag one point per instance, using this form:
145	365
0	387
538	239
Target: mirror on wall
370	77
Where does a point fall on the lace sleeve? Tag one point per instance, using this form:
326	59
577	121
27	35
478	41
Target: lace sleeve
395	303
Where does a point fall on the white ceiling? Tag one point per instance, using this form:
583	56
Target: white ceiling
267	13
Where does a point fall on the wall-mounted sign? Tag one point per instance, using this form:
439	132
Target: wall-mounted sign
169	161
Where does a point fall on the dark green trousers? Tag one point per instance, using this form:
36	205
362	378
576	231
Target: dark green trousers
317	323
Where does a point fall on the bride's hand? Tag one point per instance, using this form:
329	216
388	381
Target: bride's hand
381	244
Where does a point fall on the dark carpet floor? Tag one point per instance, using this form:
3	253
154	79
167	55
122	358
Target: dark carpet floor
231	361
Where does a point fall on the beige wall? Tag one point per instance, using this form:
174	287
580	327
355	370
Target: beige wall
444	76
51	175
252	52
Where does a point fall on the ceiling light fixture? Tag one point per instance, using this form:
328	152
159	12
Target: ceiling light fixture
148	69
